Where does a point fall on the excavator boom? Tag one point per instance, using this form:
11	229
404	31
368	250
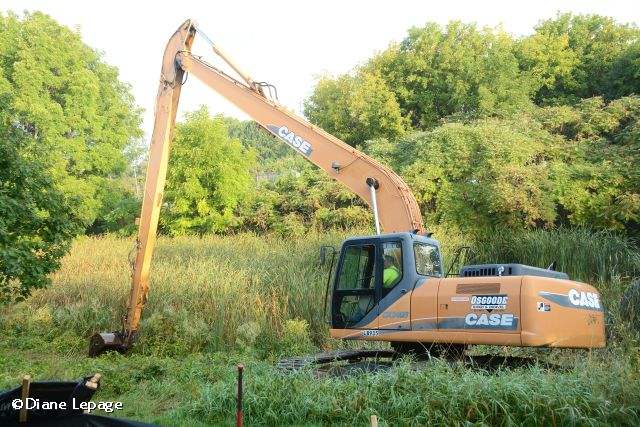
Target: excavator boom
395	208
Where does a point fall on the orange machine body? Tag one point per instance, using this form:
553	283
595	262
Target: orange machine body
502	309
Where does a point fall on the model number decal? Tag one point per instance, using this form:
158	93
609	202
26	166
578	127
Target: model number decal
370	333
291	138
395	314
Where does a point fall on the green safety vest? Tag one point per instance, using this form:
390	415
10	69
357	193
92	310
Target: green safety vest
390	276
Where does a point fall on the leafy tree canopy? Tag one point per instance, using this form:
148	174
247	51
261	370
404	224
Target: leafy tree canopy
484	173
433	73
356	108
59	92
581	56
35	222
253	137
300	197
598	178
65	124
208	176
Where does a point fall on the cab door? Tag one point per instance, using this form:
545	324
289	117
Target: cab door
395	287
424	300
354	301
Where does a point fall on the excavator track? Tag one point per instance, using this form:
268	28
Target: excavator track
345	362
350	356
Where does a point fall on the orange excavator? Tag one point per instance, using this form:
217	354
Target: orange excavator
391	286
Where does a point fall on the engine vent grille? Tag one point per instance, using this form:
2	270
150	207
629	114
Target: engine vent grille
488	270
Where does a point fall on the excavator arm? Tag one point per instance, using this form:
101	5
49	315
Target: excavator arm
395	209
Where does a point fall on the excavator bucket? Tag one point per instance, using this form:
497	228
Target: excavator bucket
107	341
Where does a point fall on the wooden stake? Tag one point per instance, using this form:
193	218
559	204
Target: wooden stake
374	421
239	414
26	384
93	382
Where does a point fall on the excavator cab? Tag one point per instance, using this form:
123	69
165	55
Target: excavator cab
393	287
374	273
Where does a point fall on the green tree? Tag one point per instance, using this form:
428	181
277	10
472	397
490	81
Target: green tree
485	173
355	108
547	60
433	73
598	180
36	226
299	198
208	176
62	94
436	72
65	124
581	56
267	148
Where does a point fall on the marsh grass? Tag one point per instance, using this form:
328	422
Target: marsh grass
218	300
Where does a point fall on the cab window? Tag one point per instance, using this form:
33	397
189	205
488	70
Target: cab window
392	258
427	260
357	270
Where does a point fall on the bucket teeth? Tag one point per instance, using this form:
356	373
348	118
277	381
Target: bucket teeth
107	341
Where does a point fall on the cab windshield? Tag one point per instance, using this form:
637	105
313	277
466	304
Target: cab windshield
427	259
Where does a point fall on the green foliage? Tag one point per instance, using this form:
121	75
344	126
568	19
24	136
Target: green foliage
119	211
36	226
550	166
598	181
433	73
581	56
355	109
484	173
436	72
59	92
460	70
300	198
267	148
546	59
208	176
490	157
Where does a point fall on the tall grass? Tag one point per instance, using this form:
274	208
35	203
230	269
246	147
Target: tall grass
219	292
217	300
206	294
199	389
598	257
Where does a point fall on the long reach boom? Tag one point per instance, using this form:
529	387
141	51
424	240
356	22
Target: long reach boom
394	206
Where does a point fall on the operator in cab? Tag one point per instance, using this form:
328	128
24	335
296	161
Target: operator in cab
391	273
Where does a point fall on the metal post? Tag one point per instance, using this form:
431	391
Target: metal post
239	414
373	186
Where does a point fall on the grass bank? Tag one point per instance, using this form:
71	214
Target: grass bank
216	301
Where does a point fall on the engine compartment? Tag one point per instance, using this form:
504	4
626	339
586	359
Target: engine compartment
485	270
